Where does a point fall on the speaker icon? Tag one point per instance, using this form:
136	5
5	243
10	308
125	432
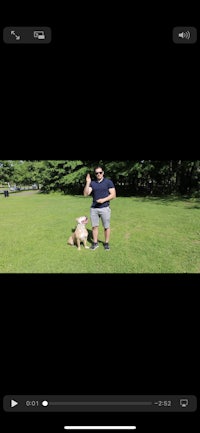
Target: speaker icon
185	35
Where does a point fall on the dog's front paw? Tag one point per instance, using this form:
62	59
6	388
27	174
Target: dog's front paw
87	247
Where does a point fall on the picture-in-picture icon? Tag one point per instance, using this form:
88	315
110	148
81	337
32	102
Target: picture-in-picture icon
39	34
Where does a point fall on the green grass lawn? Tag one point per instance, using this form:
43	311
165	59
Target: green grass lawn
148	235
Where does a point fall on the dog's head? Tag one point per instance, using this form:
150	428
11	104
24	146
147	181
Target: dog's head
82	220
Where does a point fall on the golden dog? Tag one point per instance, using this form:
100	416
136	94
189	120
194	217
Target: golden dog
80	234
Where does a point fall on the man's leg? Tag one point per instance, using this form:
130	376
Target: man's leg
95	238
95	224
107	235
95	231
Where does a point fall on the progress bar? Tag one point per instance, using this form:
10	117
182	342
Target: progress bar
100	403
100	427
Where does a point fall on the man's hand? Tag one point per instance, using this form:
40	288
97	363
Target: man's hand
88	178
87	190
101	200
112	195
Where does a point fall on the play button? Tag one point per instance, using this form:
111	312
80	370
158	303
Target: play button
13	403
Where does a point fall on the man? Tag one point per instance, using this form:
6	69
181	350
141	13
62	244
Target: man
102	190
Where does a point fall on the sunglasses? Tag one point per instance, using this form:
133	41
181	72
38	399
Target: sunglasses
98	172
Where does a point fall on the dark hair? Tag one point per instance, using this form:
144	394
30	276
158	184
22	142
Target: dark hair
99	166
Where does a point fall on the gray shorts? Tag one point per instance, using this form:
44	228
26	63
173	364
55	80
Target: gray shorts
104	213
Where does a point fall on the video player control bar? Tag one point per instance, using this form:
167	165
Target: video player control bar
27	35
100	403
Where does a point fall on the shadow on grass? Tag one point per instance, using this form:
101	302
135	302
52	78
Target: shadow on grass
90	237
170	199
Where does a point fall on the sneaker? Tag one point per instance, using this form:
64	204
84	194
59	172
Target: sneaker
106	246
94	246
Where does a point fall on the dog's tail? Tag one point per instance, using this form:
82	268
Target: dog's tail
70	241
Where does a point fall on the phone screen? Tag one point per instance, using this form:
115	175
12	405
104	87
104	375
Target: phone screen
103	339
